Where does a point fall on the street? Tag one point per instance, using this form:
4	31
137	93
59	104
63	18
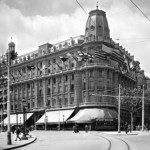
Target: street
66	140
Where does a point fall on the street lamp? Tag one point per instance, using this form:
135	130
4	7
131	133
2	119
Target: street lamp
24	121
17	117
63	121
8	101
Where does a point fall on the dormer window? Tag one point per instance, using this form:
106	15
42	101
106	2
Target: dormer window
92	27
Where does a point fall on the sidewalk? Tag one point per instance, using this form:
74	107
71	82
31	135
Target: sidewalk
123	132
15	144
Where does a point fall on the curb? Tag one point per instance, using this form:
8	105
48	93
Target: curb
21	145
120	134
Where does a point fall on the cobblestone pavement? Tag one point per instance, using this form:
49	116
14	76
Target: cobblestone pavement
66	140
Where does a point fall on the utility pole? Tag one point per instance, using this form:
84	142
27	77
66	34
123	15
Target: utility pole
143	110
119	110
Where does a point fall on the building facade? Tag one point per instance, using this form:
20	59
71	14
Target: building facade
75	81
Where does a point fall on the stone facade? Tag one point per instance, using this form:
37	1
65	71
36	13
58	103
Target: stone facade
54	84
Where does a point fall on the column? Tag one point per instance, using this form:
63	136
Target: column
51	87
87	86
21	97
56	93
44	93
116	83
69	86
36	91
78	87
63	87
96	78
31	100
105	84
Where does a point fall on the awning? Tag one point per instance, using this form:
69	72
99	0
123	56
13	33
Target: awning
13	118
88	115
54	117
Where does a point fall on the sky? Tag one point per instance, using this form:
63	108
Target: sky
32	23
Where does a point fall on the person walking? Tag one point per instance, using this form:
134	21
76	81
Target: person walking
13	129
17	134
86	128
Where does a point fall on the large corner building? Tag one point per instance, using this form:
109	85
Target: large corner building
73	81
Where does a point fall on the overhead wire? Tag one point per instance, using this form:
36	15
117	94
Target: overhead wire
140	10
135	42
85	11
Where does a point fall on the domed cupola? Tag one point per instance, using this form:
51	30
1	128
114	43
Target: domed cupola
11	46
97	26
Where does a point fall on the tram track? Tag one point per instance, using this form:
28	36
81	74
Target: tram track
114	142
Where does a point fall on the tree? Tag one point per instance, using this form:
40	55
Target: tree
133	100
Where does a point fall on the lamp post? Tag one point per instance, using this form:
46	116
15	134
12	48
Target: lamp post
17	117
8	101
63	121
24	121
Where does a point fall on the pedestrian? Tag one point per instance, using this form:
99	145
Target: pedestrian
17	134
129	128
75	128
126	127
13	129
138	127
86	128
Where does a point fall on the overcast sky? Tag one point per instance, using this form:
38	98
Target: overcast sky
34	22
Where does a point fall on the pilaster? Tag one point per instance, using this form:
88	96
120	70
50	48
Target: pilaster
44	93
78	87
36	91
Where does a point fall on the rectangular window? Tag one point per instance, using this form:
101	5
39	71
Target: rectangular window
54	80
84	86
66	101
49	81
66	88
72	77
91	73
66	78
72	87
48	91
99	73
100	84
91	85
72	100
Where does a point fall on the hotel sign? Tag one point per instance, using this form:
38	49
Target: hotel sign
68	43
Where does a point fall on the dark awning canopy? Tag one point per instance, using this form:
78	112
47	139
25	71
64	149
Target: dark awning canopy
88	115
